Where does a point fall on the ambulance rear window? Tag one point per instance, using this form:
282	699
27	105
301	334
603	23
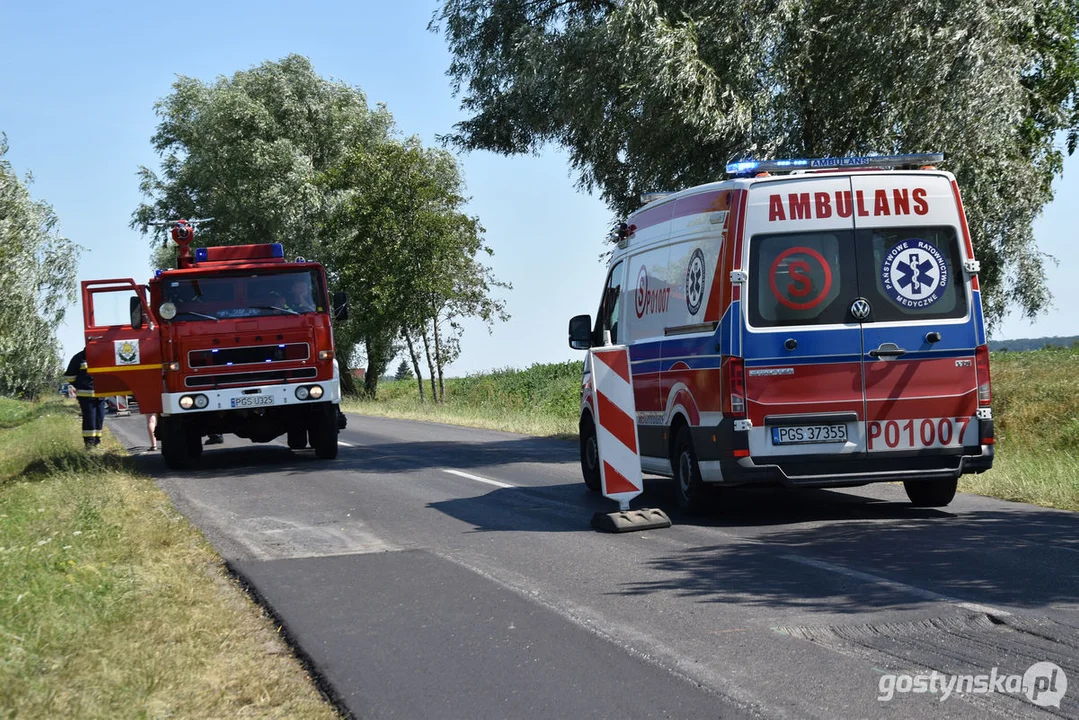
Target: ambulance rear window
912	273
801	278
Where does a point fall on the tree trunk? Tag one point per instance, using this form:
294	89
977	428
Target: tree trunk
378	347
415	364
438	363
430	366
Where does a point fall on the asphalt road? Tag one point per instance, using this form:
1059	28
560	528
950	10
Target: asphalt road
438	571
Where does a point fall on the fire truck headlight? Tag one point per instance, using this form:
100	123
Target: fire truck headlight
316	392
167	311
325	354
187	402
201	401
301	393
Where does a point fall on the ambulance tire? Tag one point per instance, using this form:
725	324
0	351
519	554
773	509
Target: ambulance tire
323	433
931	493
174	445
297	439
589	454
689	488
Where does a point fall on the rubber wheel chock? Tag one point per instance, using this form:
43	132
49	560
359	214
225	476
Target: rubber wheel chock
631	520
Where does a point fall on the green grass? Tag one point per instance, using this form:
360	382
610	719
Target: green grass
111	604
541	400
1035	405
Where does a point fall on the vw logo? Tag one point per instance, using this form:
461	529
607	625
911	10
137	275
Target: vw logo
860	309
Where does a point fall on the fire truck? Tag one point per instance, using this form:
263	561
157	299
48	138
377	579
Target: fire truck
234	340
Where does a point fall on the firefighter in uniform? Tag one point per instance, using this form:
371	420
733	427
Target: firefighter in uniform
93	408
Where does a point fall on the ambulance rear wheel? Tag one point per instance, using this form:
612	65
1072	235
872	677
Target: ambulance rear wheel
589	454
689	488
931	493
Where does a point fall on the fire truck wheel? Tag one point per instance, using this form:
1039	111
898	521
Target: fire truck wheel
323	433
689	488
297	439
931	493
589	454
174	445
194	443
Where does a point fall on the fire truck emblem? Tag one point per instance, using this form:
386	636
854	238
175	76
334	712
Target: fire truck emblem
914	274
127	352
695	282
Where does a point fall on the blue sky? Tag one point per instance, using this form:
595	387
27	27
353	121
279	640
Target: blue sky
80	80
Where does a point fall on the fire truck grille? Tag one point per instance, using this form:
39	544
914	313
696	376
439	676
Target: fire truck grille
206	381
216	357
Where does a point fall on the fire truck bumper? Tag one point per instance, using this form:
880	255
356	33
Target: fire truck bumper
251	398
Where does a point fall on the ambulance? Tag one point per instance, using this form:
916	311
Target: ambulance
807	323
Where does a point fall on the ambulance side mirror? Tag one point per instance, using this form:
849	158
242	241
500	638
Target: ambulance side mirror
580	332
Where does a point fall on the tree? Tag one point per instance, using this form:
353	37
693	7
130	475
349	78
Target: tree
248	151
408	250
37	282
404	372
649	95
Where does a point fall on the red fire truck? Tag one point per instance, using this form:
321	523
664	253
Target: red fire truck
234	340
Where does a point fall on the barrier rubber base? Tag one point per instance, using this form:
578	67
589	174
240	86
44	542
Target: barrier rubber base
631	520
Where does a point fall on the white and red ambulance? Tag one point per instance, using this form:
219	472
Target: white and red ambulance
807	322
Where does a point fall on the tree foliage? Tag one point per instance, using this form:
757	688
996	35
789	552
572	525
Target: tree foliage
279	154
661	94
37	283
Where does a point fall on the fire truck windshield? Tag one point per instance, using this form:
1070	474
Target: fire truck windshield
217	297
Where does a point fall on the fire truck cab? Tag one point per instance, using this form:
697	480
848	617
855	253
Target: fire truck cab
234	340
810	322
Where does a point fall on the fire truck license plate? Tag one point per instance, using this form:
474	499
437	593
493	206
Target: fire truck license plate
252	401
795	435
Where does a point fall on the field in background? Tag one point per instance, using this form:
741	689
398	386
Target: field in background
1035	405
111	603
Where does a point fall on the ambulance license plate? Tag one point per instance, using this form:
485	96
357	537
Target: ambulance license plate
252	401
804	434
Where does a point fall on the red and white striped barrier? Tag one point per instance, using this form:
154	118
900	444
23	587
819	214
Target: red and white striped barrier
616	424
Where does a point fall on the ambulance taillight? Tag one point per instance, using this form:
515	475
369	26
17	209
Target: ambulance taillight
735	381
981	365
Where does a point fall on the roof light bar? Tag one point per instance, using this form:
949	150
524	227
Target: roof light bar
754	166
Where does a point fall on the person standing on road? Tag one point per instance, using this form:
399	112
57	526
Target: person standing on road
93	408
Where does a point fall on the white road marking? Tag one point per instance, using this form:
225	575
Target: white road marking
342	443
477	478
893	585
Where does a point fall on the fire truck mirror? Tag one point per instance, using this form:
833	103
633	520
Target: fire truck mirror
136	312
340	305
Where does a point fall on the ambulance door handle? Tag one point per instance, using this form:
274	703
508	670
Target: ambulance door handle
888	350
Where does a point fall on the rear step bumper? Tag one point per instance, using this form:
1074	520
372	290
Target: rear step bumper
849	472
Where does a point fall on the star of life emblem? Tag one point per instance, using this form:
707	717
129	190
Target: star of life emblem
695	277
914	274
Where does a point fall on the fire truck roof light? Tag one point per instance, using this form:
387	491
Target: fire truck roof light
201	255
747	167
277	250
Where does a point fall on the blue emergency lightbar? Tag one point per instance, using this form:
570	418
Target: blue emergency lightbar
201	255
747	167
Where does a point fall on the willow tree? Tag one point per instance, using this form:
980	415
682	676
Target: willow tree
656	95
37	282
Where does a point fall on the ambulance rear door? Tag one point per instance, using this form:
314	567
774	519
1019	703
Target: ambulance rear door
920	335
802	350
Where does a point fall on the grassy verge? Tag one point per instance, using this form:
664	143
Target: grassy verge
1035	403
111	604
